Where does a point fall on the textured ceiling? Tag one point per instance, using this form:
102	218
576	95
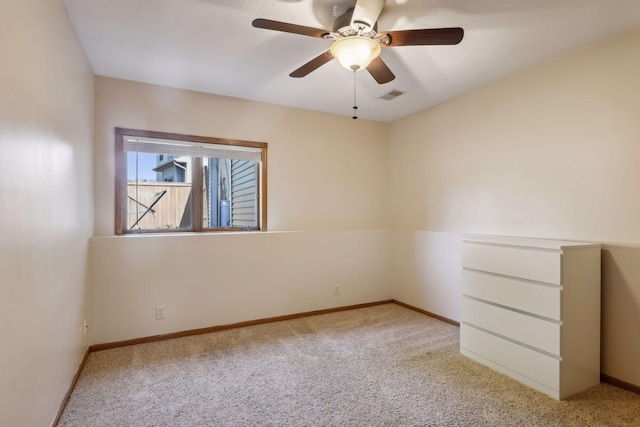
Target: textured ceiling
210	46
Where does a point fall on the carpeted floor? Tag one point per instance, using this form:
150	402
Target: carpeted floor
378	366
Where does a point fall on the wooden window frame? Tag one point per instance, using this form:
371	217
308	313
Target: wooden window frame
197	184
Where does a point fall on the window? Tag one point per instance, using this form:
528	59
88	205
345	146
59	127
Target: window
172	183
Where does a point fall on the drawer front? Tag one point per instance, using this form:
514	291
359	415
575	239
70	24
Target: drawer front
535	332
527	263
530	297
524	361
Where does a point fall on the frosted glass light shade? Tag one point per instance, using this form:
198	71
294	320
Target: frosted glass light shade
355	52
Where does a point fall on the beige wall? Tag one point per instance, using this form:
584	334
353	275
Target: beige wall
552	152
327	182
325	172
225	278
46	206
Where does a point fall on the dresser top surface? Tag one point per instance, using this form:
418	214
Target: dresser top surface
529	242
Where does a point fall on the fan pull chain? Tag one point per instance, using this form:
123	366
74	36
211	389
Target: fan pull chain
355	104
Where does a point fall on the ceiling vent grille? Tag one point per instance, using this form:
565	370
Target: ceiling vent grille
392	95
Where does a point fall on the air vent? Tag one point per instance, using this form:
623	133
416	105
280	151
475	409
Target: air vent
392	95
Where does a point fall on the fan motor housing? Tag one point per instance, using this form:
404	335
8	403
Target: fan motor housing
342	26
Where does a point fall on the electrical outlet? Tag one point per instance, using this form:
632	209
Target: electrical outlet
85	327
336	289
160	312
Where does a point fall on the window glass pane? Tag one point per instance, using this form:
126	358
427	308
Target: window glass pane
229	193
175	182
158	191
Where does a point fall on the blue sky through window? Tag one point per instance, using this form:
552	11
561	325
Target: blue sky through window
146	163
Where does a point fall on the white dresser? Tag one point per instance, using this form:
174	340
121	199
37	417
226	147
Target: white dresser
531	310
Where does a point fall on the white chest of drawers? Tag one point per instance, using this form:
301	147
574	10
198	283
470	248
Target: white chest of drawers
531	310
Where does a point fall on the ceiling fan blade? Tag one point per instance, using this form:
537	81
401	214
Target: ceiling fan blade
427	36
366	13
313	65
268	24
380	72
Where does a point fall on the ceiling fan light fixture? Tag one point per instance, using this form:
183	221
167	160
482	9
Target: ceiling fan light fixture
355	52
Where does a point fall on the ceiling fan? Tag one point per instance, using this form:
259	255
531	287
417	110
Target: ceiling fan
357	43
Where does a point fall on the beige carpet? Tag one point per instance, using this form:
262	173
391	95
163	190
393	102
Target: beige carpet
378	366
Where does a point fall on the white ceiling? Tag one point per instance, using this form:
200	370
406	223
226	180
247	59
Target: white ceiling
210	46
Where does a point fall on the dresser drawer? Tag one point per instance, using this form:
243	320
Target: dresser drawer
531	364
533	298
532	331
542	265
